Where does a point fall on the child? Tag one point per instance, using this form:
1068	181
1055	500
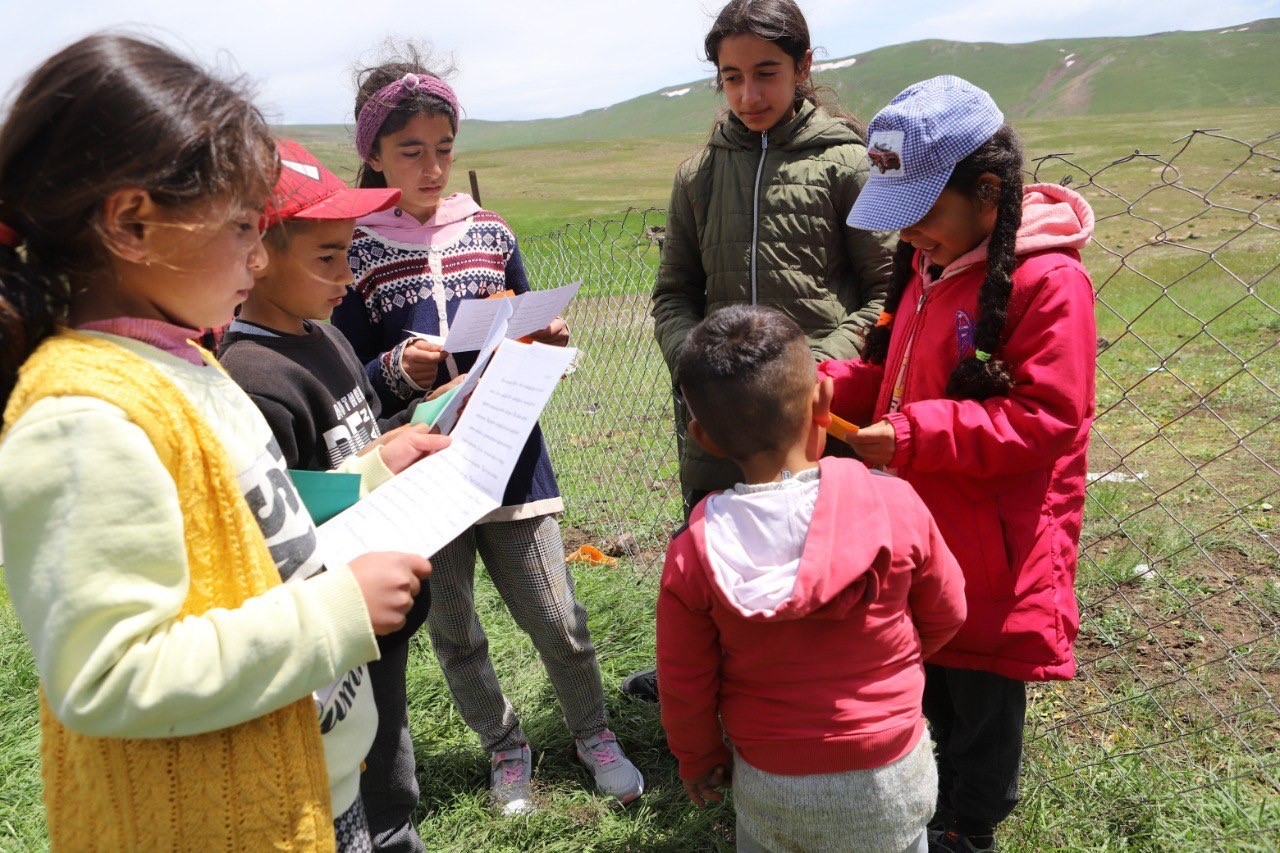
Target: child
978	389
805	641
757	217
142	497
414	265
313	392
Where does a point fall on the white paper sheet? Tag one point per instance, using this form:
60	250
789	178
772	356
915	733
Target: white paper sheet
533	311
448	417
429	504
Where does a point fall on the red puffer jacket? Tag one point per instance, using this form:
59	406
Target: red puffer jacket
1004	478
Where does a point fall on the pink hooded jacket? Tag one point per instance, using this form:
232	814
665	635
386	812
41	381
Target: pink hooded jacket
1005	477
827	676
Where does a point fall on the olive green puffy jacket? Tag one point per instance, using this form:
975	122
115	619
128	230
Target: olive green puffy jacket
760	219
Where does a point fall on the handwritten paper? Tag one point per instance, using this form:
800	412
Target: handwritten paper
429	504
532	312
497	332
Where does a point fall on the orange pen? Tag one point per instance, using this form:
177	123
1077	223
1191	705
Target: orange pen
841	429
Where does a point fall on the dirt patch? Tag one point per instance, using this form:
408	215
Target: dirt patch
1201	640
1074	96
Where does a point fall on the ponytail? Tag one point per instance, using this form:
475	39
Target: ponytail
26	315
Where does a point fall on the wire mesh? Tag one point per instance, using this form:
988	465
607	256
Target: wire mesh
1174	711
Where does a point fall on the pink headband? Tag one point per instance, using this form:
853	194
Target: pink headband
375	110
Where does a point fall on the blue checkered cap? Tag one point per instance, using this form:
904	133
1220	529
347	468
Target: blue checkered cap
915	143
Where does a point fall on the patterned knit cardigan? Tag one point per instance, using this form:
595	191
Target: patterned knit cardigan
406	286
260	785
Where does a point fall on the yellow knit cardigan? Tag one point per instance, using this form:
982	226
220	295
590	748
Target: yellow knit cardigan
260	785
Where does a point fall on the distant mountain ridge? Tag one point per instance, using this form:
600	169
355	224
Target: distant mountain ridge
1232	67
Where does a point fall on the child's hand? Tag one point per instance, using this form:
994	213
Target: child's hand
876	443
706	790
447	387
405	445
389	581
556	334
420	360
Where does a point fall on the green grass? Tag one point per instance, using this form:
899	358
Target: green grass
1167	738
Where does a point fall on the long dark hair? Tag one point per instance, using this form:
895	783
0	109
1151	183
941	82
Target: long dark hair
780	22
402	58
107	113
974	378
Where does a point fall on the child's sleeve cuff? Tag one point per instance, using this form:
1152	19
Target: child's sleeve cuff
903	449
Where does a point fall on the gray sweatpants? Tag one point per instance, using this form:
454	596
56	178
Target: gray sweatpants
881	810
525	559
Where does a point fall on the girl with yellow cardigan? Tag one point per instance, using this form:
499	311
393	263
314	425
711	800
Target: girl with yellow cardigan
147	517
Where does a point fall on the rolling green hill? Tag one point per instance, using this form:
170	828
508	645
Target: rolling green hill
1238	67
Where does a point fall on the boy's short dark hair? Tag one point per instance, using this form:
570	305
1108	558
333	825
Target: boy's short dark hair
747	374
278	237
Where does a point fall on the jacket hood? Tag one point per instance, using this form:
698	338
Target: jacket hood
394	224
766	563
1053	217
810	127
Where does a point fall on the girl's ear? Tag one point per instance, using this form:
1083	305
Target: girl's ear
988	192
803	67
823	393
698	434
375	159
127	224
816	441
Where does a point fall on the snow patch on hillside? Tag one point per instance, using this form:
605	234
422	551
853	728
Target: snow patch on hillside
832	66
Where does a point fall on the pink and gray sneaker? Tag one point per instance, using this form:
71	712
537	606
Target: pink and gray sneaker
510	778
614	774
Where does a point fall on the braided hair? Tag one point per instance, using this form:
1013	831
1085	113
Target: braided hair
982	374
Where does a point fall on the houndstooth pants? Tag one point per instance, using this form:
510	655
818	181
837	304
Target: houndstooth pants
525	559
351	831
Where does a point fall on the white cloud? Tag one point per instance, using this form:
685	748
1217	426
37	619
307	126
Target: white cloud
518	59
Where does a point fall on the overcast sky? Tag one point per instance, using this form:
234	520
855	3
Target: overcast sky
519	59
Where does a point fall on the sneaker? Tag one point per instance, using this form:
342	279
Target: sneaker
953	842
510	775
615	775
642	686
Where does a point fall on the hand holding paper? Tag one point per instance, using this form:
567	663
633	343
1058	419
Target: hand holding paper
420	361
434	500
389	582
534	312
556	334
445	414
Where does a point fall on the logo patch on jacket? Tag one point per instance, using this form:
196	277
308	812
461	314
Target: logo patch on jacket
964	335
885	152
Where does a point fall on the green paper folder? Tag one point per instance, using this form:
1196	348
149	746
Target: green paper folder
429	410
325	493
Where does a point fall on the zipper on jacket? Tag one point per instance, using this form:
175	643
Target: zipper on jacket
911	345
908	346
755	214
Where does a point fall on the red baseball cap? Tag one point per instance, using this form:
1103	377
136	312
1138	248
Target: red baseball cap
307	190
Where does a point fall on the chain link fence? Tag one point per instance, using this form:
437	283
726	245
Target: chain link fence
1171	731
